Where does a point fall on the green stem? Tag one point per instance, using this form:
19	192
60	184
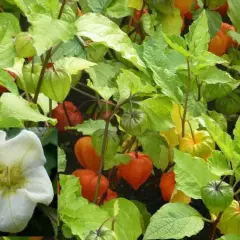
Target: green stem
50	107
237	192
40	80
46	60
186	99
99	229
104	147
61	9
192	133
208	220
214	227
84	93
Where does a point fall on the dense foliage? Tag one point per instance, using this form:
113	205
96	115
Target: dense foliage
159	82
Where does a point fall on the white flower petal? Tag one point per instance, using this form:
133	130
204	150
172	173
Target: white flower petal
2	136
39	187
15	211
25	147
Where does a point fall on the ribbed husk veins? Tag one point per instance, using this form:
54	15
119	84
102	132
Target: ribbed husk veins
103	234
29	79
200	146
217	196
56	84
134	123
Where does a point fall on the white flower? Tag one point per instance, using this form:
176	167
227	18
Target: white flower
24	181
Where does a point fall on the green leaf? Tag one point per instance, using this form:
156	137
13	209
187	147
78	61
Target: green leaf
189	174
102	30
73	64
47	32
137	4
158	110
196	108
234	35
218	164
62	161
233	13
105	92
90	126
111	147
103	73
149	21
198	36
220	119
48	7
43	102
98	5
102	76
9	29
214	22
230	220
236	131
96	52
204	61
10	122
145	215
69	13
151	143
14	107
129	84
218	83
172	23
127	224
177	43
70	189
164	63
49	136
174	221
70	48
223	139
7	81
118	9
229	237
75	210
224	142
118	159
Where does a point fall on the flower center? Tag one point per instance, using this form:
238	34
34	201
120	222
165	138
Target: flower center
11	178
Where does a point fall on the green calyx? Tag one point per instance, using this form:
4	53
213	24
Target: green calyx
11	178
134	123
102	234
217	196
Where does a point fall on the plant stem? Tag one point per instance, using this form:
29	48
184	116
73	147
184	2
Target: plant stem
84	93
215	223
104	146
205	4
40	80
50	107
61	9
192	133
46	60
237	192
186	99
99	229
170	165
208	220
